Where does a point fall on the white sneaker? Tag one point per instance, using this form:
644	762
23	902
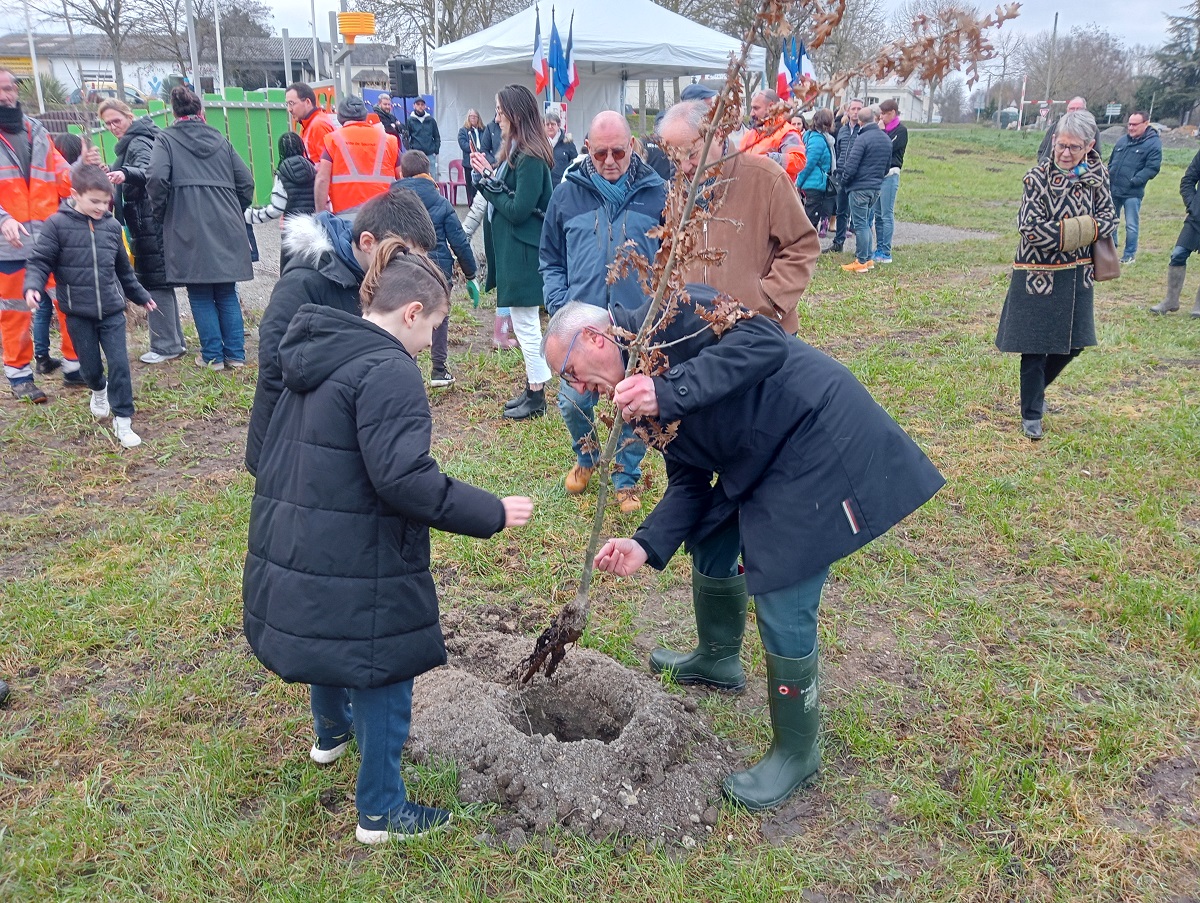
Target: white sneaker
153	357
125	434
99	403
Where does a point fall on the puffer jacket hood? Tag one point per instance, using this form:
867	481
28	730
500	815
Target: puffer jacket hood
200	138
323	242
322	339
141	127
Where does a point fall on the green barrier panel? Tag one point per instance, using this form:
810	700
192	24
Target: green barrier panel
261	154
277	117
214	114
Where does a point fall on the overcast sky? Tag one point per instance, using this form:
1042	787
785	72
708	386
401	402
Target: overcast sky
1135	21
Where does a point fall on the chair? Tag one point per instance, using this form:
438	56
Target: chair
458	179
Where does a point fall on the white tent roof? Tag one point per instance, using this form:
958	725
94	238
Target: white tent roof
633	38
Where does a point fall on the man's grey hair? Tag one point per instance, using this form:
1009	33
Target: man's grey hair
690	113
553	117
383	95
867	114
1078	124
572	318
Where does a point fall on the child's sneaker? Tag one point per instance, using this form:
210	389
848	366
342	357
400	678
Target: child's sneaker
26	390
440	379
99	403
125	434
73	379
325	752
410	822
44	363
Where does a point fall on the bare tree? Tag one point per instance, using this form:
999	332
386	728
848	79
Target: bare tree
857	39
935	18
163	28
951	97
410	23
117	20
1089	62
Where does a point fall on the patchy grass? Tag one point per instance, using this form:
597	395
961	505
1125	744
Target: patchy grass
1012	697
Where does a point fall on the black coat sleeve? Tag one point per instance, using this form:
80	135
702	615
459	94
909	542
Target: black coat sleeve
1191	179
137	161
158	178
688	498
243	179
43	258
394	429
741	358
134	290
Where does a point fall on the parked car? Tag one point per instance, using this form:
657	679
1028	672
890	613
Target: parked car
100	91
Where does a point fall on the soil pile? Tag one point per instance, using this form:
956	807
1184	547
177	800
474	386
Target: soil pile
599	749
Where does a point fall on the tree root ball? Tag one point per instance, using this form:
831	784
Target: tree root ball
599	749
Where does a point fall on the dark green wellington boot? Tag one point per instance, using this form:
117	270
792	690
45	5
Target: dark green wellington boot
720	605
795	753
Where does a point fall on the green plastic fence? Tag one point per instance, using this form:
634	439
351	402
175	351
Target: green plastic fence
251	120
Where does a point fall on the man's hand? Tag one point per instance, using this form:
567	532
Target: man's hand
620	556
151	305
517	510
33	298
12	231
116	177
634	397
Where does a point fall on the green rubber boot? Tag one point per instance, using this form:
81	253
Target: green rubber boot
720	605
795	753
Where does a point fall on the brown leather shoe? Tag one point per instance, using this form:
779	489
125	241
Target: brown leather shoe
578	478
629	499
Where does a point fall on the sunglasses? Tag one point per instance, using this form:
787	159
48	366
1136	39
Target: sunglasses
618	153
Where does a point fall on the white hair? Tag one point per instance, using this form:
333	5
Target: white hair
1078	124
688	112
571	319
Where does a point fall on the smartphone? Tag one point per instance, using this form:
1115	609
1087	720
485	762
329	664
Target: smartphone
471	142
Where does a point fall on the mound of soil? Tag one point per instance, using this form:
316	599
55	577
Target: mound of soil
599	749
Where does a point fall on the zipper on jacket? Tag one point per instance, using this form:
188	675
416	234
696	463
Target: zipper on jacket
96	270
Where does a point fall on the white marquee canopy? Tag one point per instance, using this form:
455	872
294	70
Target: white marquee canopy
615	41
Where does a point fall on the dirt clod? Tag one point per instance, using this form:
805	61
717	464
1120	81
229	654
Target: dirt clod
600	749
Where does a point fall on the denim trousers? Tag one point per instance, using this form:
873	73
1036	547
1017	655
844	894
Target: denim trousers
1037	372
91	338
842	211
576	410
861	205
379	718
218	316
884	215
1180	255
787	617
1132	208
41	325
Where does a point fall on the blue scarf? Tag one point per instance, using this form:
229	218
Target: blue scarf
615	194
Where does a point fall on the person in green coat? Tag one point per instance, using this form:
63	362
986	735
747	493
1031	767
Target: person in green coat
518	190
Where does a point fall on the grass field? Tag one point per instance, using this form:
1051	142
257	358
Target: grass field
1011	687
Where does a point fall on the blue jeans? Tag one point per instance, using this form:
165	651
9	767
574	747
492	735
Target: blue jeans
218	316
861	205
842	211
884	215
379	719
1179	256
1133	218
576	410
41	325
787	617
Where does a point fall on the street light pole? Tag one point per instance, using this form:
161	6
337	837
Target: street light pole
220	58
37	76
192	52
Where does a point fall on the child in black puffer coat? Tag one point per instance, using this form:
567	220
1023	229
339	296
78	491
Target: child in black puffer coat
82	246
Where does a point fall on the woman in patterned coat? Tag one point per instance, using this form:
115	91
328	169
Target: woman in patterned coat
1047	316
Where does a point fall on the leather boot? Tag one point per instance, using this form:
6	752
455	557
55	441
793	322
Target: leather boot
1174	288
517	400
534	405
720	605
795	753
1196	305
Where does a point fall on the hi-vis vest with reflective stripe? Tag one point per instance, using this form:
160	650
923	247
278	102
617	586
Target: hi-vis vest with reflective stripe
32	202
364	164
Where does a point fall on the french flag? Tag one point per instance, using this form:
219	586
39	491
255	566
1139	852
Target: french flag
783	77
541	68
572	69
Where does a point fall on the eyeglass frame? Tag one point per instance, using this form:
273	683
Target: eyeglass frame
562	371
1073	148
617	153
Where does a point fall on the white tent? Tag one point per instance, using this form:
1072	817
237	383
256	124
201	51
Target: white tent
615	41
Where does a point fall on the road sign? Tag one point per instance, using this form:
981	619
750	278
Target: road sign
1113	109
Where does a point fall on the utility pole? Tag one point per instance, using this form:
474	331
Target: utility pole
37	76
1050	65
195	56
316	46
220	59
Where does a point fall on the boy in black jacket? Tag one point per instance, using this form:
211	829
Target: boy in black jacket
82	246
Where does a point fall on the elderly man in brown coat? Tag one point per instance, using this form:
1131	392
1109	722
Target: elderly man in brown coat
772	244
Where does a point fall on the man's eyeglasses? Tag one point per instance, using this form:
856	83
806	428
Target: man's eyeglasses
1134	125
562	371
1071	148
618	153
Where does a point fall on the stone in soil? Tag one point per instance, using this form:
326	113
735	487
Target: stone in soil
599	749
